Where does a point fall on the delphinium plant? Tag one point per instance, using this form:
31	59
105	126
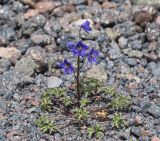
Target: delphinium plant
82	52
81	105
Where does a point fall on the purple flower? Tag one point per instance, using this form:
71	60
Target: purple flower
86	26
66	67
79	49
70	45
92	55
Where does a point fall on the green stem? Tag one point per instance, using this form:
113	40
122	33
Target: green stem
78	73
78	83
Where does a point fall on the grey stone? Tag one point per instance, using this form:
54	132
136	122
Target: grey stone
133	53
53	82
114	52
154	110
25	66
122	42
125	29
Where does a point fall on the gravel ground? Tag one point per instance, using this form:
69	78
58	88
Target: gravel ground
33	34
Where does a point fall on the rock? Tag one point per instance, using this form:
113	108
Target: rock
41	39
97	72
133	53
109	17
135	45
144	14
158	20
129	77
23	45
147	2
32	24
30	13
138	120
3	41
154	110
152	31
45	6
113	35
155	138
136	131
58	12
29	2
37	53
151	56
125	29
132	62
155	69
10	53
114	52
8	32
53	82
4	65
122	42
25	66
108	5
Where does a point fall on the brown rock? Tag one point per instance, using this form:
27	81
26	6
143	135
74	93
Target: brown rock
158	20
29	2
45	6
107	5
155	138
145	133
142	17
30	13
69	8
3	41
151	56
152	46
138	120
10	53
59	11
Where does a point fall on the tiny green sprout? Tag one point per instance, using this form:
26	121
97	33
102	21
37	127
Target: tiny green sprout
56	92
89	86
83	102
107	90
118	120
45	103
46	125
81	113
66	100
121	101
96	130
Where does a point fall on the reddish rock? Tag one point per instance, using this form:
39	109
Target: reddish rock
155	138
107	5
10	53
30	13
158	20
138	120
152	46
45	6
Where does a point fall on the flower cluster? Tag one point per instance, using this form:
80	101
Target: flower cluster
79	49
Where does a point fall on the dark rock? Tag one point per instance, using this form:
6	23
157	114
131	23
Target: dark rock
8	33
132	62
152	31
33	24
109	17
114	52
136	45
25	66
4	65
154	110
136	131
125	29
